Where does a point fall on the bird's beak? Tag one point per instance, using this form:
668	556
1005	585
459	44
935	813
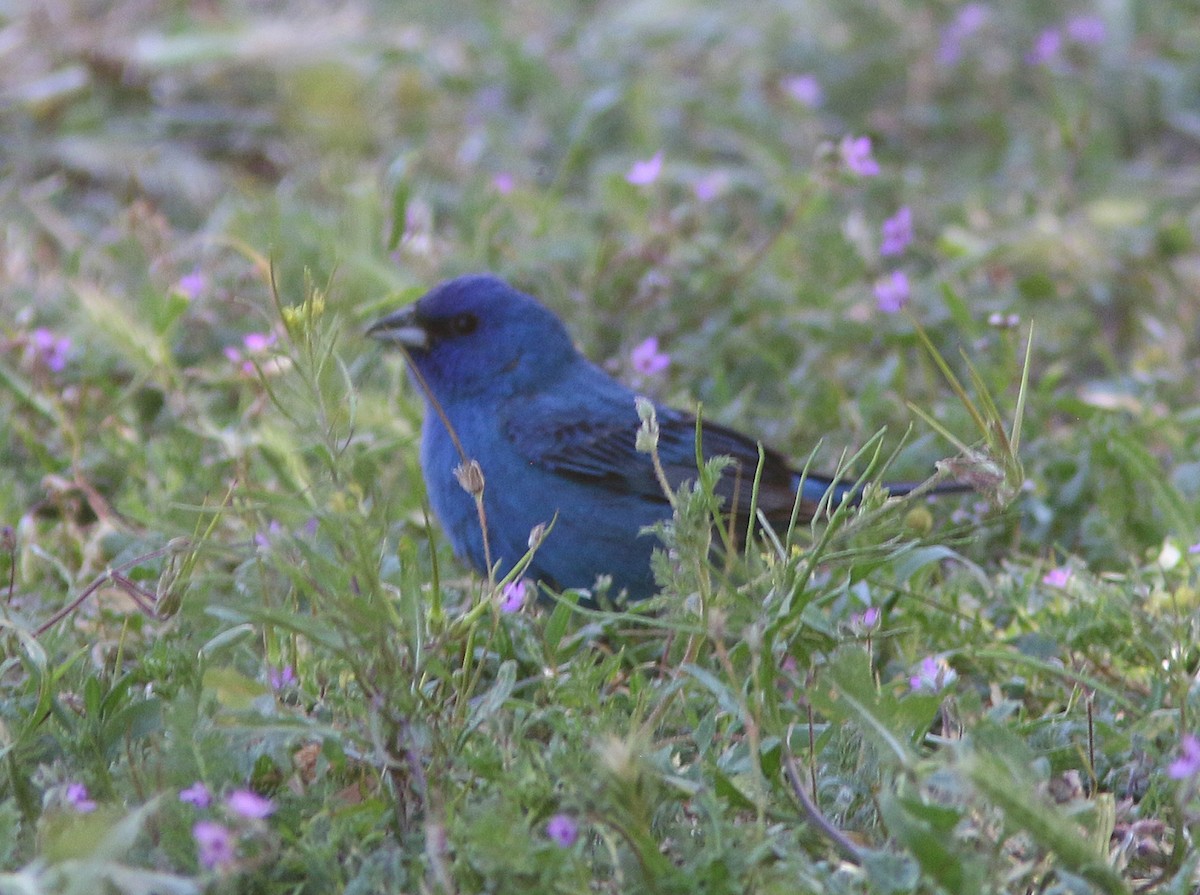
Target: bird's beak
401	327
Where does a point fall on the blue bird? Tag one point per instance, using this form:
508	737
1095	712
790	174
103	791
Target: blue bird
554	437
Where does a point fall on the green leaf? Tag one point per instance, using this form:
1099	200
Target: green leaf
506	679
556	625
725	698
730	792
846	693
925	830
232	689
890	873
993	760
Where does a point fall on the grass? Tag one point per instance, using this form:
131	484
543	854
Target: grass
217	564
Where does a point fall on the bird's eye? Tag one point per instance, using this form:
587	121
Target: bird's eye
464	324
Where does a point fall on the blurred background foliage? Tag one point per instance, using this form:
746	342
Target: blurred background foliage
161	161
388	146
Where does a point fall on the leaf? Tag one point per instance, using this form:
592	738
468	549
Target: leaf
491	702
846	692
730	792
925	830
890	873
725	698
994	763
913	560
556	625
232	689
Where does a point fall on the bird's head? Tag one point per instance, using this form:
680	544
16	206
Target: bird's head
476	335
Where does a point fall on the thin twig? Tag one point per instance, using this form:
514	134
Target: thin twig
8	539
839	839
100	580
464	461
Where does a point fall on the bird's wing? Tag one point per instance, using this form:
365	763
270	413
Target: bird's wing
595	443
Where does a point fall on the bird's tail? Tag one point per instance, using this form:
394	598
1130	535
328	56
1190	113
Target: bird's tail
815	487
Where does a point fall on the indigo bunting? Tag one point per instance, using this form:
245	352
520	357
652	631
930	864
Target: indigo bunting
554	437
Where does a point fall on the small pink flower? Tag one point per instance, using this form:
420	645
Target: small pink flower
866	620
514	595
562	830
48	350
1057	577
263	539
191	285
856	156
1188	762
970	19
933	675
1004	321
647	359
254	343
78	799
1086	29
214	845
197	794
257	343
897	232
249	804
892	292
644	173
804	89
503	183
710	185
1046	48
281	677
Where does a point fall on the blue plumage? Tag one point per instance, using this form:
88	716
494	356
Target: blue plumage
554	436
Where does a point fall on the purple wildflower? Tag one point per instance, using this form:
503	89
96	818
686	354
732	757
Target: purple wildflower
249	804
892	292
647	359
897	232
1057	577
804	89
254	343
190	285
1194	549
866	620
197	794
1188	762
257	343
710	185
263	539
49	350
214	845
78	799
281	677
933	675
856	156
970	19
503	183
514	595
644	173
562	830
1046	48
1086	29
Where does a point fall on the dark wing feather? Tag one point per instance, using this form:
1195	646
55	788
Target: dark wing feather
601	450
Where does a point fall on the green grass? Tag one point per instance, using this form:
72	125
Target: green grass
218	564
